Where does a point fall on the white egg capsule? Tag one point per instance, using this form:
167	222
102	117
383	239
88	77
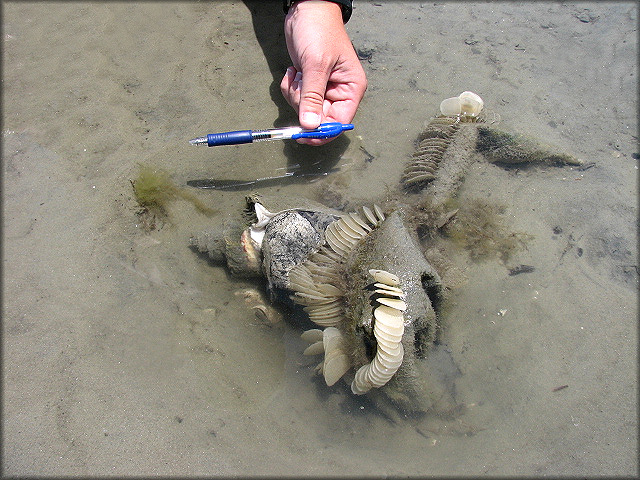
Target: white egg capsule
470	103
451	107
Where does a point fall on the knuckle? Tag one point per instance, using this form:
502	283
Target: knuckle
313	97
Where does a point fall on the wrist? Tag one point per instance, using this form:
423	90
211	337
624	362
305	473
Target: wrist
345	6
318	16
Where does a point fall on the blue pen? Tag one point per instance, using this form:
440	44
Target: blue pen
325	130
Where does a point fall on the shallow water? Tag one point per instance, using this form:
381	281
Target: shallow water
126	353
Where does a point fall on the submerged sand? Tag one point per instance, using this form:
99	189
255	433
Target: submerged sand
125	353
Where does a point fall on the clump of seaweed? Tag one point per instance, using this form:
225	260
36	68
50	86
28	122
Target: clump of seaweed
429	218
480	229
154	191
507	149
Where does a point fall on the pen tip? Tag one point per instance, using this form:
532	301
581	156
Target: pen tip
198	141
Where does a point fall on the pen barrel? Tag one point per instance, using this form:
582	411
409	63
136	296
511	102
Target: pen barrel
229	138
275	133
260	135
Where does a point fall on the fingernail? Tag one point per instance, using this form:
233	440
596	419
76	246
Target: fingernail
310	117
298	76
289	71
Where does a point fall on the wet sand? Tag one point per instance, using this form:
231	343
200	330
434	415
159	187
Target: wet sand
125	353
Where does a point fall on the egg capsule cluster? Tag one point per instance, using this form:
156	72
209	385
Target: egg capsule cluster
315	283
328	341
433	143
388	328
437	137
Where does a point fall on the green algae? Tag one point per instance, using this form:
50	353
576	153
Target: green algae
480	228
154	190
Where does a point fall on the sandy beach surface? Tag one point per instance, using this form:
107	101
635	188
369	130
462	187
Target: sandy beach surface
126	353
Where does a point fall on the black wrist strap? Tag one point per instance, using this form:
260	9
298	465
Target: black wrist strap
346	5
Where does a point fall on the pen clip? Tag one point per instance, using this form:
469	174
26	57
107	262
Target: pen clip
325	130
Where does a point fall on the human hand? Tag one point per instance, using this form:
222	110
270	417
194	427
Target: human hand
334	81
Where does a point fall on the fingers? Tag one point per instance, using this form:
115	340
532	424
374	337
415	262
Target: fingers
290	87
296	85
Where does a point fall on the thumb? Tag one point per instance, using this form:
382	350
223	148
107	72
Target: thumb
314	86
